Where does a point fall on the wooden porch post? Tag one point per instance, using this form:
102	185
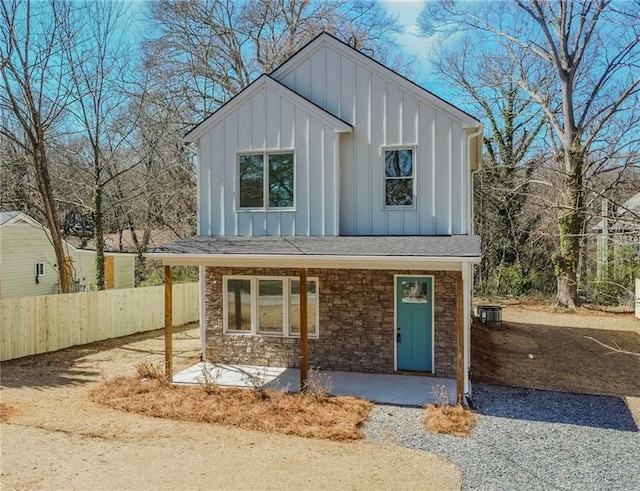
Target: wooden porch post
459	337
304	341
168	322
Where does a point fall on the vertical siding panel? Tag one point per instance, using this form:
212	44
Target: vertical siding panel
258	121
332	78
303	79
287	140
347	148
244	135
394	115
363	181
302	176
245	224
273	120
410	225
287	128
443	174
458	181
330	169
409	119
204	187
273	222
316	197
229	179
394	222
378	138
426	184
258	223
218	170
319	77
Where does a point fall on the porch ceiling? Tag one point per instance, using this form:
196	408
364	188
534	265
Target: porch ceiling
358	252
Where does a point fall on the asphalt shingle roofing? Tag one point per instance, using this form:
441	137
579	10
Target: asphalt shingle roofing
390	246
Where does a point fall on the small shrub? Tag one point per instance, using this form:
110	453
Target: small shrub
449	419
151	371
318	384
208	379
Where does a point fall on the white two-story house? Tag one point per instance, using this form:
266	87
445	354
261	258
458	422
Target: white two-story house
335	164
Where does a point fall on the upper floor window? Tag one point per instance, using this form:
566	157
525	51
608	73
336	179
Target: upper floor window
399	177
269	186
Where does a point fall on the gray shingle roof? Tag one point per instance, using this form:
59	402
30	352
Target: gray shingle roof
463	246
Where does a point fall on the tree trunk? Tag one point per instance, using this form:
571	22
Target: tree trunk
98	234
44	187
570	225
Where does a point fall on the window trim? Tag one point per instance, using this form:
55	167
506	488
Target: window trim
265	179
254	296
414	177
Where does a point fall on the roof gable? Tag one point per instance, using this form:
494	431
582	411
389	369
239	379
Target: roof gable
9	217
265	82
327	40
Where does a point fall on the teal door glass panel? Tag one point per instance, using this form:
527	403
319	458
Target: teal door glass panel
414	314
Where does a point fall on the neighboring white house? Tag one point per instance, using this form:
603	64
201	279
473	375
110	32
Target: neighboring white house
28	264
337	165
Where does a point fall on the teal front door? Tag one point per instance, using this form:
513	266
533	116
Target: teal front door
414	330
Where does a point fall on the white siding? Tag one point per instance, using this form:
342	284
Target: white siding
385	110
267	120
22	245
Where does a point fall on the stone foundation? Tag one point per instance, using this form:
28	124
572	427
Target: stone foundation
356	327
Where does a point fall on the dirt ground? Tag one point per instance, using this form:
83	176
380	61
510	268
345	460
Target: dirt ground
538	347
54	437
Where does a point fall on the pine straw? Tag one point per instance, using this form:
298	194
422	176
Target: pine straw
332	418
451	419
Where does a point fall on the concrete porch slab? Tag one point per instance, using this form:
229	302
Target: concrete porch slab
400	390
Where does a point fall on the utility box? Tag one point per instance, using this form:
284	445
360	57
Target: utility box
490	314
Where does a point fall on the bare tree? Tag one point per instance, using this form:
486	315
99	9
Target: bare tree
580	62
33	94
101	72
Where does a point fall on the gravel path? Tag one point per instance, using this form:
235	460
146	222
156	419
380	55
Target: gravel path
527	439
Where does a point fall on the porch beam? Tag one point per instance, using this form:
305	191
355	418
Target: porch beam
459	338
304	335
168	322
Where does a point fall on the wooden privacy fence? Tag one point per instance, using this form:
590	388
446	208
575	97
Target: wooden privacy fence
638	298
32	325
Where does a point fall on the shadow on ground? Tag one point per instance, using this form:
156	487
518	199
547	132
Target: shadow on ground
606	412
562	359
90	362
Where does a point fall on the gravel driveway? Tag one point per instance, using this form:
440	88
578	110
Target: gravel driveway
528	439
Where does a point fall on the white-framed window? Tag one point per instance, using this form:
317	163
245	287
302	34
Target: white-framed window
39	269
268	305
399	177
266	180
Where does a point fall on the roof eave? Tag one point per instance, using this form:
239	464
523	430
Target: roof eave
314	261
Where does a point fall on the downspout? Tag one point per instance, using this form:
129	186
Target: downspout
201	269
467	271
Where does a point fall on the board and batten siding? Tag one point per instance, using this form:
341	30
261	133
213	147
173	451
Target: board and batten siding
262	121
386	110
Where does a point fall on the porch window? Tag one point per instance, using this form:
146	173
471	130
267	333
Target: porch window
268	305
273	181
238	295
399	176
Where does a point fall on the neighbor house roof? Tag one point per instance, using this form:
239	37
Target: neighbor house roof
320	251
625	217
8	217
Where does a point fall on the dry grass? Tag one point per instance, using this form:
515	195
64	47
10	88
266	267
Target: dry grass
335	418
7	411
451	419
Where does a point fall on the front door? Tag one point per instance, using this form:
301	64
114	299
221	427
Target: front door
414	338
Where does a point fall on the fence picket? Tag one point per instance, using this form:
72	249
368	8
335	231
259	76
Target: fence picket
32	325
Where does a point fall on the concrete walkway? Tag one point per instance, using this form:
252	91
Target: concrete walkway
400	390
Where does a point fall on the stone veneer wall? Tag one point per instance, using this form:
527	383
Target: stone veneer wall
356	331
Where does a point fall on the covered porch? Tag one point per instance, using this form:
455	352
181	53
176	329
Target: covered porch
398	390
367	270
